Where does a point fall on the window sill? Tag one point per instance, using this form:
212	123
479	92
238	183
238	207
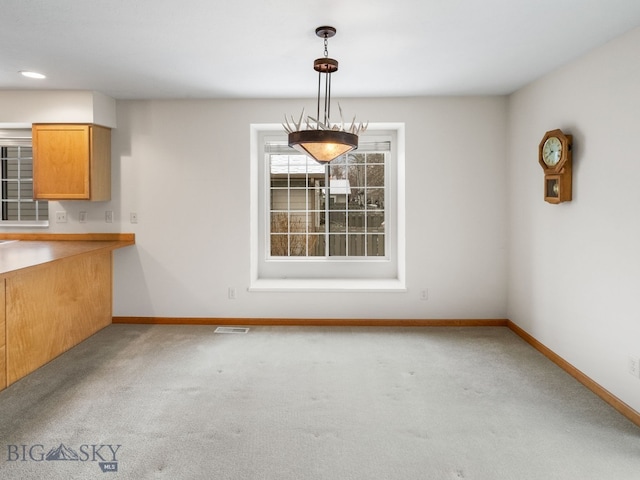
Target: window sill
34	224
327	285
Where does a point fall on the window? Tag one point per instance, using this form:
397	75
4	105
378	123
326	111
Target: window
18	208
343	221
354	203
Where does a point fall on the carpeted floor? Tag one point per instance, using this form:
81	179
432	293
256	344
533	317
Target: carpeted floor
298	403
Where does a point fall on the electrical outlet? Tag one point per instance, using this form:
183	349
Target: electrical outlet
108	216
232	293
133	217
424	294
83	217
61	217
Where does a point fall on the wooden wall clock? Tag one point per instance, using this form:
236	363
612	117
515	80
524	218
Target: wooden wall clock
554	155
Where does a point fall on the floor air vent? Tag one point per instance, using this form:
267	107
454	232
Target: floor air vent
231	330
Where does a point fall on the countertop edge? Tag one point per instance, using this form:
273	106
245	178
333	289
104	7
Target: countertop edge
100	237
59	247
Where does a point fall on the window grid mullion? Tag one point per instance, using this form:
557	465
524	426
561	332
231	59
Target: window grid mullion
353	235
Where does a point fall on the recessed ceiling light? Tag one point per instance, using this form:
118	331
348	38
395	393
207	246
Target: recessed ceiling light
32	74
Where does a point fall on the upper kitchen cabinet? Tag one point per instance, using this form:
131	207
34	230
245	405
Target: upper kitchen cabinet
71	162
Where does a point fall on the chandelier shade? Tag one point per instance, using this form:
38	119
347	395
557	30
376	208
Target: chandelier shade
322	140
323	145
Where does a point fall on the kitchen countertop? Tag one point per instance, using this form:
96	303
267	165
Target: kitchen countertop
24	251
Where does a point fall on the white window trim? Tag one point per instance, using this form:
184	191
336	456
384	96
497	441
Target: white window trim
396	283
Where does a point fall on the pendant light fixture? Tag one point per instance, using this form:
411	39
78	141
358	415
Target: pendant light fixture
317	137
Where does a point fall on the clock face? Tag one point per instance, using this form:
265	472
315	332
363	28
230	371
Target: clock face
552	151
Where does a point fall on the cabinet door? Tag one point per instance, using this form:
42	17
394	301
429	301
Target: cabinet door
61	161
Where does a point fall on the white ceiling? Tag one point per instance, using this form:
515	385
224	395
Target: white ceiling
265	48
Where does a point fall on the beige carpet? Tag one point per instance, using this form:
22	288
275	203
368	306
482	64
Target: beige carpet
285	403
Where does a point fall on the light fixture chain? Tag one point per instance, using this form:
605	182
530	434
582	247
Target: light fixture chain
321	140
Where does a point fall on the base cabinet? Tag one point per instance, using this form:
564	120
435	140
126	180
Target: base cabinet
53	308
3	350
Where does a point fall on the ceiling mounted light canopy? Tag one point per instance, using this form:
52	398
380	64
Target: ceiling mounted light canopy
317	137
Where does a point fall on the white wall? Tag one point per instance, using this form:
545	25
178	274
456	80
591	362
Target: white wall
24	107
183	167
574	271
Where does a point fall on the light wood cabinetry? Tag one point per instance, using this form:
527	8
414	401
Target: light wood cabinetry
55	291
3	349
71	162
51	309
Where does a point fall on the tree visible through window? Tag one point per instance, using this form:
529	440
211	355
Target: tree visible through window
350	193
